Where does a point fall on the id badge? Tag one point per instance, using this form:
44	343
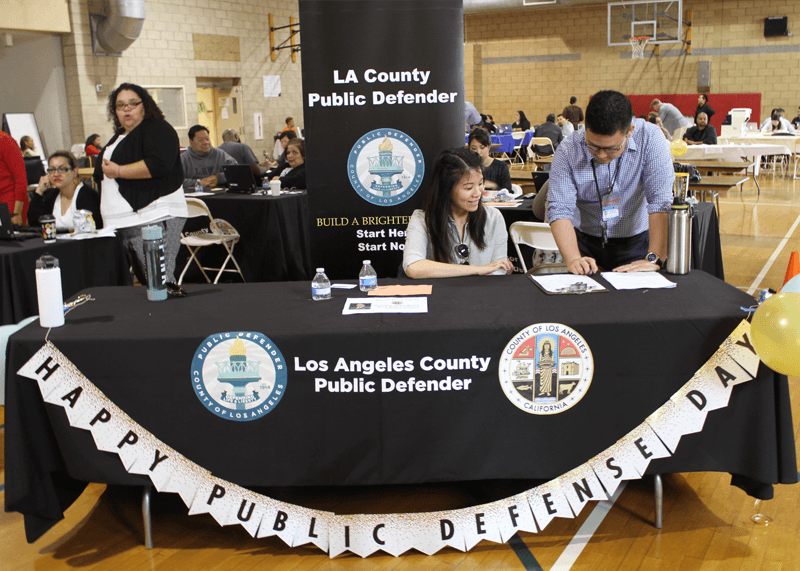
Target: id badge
610	210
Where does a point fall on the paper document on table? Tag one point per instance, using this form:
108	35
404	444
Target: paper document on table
566	283
511	204
197	194
103	233
344	286
355	305
638	280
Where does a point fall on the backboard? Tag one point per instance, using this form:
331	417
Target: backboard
662	20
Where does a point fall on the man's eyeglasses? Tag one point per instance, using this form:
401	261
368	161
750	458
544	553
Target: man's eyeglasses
596	149
129	105
462	252
62	170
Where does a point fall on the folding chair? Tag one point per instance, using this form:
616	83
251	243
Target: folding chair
537	235
220	232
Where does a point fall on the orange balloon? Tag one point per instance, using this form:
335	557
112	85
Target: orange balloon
775	332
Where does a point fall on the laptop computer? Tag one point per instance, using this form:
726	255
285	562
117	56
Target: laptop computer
504	129
240	179
7	231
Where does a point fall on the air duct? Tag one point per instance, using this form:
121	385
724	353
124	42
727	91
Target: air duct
115	32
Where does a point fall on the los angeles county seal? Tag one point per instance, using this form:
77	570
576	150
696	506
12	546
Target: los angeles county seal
239	376
385	167
546	368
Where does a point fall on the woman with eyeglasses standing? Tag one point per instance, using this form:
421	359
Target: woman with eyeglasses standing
61	193
140	176
456	235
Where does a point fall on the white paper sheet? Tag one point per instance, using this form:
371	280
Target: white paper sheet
103	233
355	305
638	280
554	283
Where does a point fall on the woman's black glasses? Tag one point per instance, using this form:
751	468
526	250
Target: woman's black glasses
462	252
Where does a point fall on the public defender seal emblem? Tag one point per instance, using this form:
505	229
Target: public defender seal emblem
385	167
546	368
239	375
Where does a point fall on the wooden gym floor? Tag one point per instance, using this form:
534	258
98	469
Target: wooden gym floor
707	522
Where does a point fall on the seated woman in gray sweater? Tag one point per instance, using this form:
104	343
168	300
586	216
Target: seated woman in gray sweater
456	235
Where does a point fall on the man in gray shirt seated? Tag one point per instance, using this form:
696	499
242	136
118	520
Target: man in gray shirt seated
202	162
240	151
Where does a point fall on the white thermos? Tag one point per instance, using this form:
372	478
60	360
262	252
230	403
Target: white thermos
48	291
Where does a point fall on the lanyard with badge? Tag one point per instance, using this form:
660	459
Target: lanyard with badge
608	210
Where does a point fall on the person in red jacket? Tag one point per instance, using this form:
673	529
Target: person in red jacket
13	180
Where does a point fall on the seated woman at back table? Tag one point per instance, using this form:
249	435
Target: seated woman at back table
456	235
61	193
293	175
93	145
27	148
495	173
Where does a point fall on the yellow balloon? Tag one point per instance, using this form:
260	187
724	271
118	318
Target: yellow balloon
775	332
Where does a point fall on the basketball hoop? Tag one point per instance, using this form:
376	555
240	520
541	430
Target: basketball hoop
637	44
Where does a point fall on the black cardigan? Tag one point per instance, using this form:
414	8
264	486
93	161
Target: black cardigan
155	142
88	199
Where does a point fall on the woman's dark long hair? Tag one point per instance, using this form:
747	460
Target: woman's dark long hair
523	120
90	140
151	110
450	167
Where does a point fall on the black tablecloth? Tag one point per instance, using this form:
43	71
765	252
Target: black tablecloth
275	243
706	246
83	263
646	345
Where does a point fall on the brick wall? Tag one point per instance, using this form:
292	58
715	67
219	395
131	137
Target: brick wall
165	55
535	60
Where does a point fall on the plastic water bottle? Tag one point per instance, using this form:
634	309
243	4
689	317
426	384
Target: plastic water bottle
153	242
320	286
367	278
198	186
48	292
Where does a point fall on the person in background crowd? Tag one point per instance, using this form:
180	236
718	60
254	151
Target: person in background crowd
656	120
471	115
289	124
566	126
703	107
241	152
293	175
573	113
284	139
485	124
796	120
767	125
61	193
522	123
13	180
491	124
611	190
671	118
550	130
202	162
139	175
456	235
702	133
495	173
26	145
93	145
776	125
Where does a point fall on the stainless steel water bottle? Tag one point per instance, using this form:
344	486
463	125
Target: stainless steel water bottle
679	242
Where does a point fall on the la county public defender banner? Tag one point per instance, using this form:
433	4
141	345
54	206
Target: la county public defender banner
383	89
